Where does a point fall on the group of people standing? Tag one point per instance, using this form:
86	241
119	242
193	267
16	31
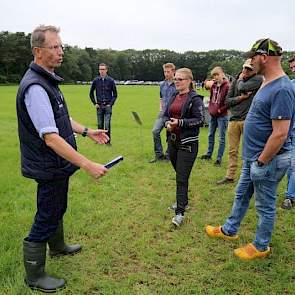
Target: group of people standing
49	153
261	102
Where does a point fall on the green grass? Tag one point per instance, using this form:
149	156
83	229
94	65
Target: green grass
122	221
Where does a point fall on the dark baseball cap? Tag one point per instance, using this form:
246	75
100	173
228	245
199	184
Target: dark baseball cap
265	46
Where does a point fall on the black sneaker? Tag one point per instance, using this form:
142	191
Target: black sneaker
205	157
217	162
225	180
288	204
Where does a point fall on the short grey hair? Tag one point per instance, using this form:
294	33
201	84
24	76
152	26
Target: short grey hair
38	35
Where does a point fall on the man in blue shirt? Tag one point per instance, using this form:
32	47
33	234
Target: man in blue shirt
266	151
104	98
289	201
167	89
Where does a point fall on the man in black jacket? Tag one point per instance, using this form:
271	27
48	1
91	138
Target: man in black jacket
106	95
49	155
238	100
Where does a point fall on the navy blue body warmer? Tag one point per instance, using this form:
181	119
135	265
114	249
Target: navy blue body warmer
38	161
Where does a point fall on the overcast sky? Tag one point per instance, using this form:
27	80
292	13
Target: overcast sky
178	25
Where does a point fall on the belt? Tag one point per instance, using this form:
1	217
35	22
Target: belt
173	136
104	102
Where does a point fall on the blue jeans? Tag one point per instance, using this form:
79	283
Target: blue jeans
263	182
104	114
290	193
158	127
221	124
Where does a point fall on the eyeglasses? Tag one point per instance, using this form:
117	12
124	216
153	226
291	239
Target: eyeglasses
178	79
54	47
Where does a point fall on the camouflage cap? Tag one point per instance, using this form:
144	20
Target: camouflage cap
265	46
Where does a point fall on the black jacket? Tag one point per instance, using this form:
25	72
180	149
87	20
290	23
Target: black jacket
191	119
38	161
239	109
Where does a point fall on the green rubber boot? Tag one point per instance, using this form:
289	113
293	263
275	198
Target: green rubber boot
57	246
34	262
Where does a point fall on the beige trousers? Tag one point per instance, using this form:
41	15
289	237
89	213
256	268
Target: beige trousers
235	131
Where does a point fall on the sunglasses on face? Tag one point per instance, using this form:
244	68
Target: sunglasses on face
178	79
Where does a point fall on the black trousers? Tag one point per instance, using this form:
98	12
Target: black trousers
182	157
52	199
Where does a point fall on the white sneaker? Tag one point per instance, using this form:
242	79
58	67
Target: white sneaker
174	206
178	219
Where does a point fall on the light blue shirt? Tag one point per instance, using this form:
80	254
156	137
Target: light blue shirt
167	89
40	110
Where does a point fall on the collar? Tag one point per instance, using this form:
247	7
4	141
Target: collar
102	78
47	75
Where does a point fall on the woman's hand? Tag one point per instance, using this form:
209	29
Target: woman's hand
169	128
172	124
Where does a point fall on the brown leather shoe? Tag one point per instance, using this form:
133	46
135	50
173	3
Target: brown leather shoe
225	180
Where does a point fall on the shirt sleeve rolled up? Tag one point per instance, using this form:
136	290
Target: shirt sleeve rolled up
40	110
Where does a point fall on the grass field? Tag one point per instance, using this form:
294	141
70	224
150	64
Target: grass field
122	222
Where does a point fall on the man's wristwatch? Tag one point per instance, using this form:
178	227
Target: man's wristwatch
259	163
85	132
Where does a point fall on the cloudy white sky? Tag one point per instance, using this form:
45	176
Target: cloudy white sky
178	25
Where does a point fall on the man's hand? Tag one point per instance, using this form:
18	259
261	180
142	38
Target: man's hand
241	76
98	135
96	106
94	169
245	96
66	151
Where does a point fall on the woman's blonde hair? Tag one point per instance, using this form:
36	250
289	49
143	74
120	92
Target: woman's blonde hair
188	75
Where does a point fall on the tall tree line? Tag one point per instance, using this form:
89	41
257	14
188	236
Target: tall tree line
82	64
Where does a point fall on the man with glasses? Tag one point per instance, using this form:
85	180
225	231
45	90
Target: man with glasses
49	155
167	89
238	100
289	201
266	151
104	98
